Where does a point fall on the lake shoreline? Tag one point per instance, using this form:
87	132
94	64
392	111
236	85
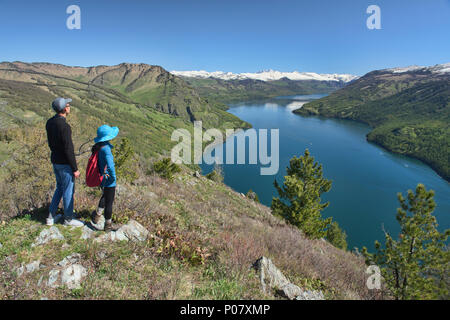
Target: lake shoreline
385	147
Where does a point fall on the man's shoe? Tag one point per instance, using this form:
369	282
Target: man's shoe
53	219
73	223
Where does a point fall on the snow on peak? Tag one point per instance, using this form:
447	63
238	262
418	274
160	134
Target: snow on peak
438	68
266	75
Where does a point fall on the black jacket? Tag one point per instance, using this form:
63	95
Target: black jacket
59	136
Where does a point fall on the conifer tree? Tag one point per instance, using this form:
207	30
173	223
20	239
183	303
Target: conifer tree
416	266
299	196
336	236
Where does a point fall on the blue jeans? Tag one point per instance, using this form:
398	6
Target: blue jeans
65	188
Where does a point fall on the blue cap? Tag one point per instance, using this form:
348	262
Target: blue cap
60	103
105	133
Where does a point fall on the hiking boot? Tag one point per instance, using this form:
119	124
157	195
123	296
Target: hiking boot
95	217
73	223
109	226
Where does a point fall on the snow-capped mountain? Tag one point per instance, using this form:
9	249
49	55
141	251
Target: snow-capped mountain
266	75
438	68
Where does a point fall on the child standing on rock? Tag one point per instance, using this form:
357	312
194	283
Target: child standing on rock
105	134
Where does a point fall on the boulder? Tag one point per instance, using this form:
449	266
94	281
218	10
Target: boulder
47	235
72	275
69	272
70	259
132	231
29	268
87	233
273	280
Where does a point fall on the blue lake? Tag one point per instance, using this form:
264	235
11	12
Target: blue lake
365	177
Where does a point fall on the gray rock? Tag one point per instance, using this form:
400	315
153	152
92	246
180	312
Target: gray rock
197	174
33	266
132	231
29	268
40	281
111	236
47	235
270	275
53	276
272	279
72	276
311	295
68	273
87	233
20	270
70	259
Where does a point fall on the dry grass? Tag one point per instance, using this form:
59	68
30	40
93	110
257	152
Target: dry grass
204	239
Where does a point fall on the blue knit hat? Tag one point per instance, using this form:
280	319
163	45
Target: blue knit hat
105	133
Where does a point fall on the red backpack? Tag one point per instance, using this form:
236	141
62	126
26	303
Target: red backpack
93	176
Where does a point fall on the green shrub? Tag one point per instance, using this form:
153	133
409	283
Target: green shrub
216	174
166	168
336	236
125	161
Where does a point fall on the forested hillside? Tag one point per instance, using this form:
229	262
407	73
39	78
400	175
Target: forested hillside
409	111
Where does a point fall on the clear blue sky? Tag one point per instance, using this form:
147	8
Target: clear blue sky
325	36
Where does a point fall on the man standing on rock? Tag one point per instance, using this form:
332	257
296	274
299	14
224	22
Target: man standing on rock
59	135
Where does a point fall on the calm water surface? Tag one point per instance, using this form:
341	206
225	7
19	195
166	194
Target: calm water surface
365	178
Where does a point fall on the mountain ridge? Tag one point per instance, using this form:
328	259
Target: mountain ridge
408	109
266	75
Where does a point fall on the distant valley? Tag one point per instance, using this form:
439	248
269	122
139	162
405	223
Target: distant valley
230	87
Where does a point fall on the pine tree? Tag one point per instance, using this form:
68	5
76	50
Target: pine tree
336	236
299	196
415	266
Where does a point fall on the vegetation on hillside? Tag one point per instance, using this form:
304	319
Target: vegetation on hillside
299	200
417	265
204	237
123	87
409	113
228	91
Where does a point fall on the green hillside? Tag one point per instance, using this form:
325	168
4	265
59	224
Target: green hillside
203	237
409	113
228	91
146	102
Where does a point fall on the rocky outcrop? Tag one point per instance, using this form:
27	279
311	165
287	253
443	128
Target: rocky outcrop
273	281
68	272
47	235
132	231
28	268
